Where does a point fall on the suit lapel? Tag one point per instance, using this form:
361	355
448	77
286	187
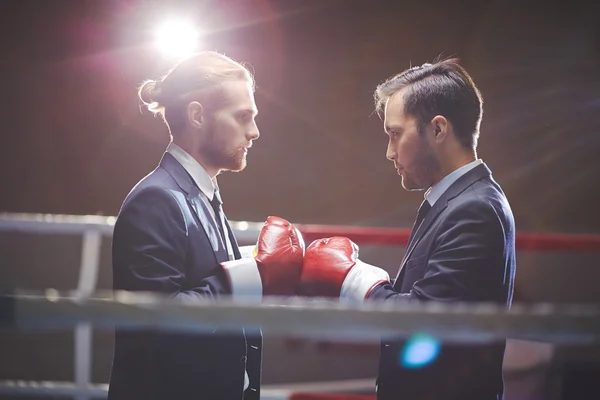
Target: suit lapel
437	208
461	184
193	196
233	240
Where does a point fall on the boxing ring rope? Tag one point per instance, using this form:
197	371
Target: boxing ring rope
296	317
84	307
248	231
303	317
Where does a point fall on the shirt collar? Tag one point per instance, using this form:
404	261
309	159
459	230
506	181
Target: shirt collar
204	182
435	192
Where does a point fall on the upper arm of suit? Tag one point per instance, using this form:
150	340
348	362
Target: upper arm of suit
467	261
150	245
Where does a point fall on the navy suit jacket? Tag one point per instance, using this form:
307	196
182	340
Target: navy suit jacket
165	240
464	251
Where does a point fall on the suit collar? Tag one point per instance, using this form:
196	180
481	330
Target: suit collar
179	174
207	185
187	185
461	184
435	192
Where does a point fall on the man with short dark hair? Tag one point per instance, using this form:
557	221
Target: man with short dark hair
461	248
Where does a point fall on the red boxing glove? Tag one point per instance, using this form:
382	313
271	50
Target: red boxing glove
276	266
332	269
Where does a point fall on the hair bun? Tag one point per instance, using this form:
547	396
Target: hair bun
150	94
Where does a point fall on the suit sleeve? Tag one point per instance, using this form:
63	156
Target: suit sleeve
467	261
150	245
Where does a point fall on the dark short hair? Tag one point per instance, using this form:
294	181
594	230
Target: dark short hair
440	88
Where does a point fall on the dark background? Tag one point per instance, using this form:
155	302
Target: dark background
75	141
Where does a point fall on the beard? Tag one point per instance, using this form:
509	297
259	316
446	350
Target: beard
219	154
422	174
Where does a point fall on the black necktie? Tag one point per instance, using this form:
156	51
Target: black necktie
421	214
216	206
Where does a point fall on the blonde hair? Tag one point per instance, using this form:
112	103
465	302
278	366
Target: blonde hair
197	77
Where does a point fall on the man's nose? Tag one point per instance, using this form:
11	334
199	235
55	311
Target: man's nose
390	153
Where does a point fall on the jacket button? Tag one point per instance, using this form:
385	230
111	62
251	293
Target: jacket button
243	359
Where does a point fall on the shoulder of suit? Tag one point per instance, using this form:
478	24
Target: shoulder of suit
157	186
481	201
158	178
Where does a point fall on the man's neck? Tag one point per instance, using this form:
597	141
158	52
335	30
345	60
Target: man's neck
189	148
458	161
437	190
452	164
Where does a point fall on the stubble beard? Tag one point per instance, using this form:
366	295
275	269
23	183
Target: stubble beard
426	167
216	151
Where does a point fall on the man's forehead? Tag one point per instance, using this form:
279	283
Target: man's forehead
394	109
396	101
239	95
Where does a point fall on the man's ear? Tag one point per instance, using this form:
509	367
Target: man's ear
195	114
440	127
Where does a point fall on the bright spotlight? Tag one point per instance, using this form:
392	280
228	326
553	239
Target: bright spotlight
176	39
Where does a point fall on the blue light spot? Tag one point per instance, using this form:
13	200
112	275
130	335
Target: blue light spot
419	351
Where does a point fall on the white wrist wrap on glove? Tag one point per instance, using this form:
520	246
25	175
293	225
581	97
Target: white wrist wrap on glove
247	251
244	279
360	281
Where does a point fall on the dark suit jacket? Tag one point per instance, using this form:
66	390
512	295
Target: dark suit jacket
166	241
463	251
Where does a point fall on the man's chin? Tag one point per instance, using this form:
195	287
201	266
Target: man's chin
237	166
411	186
406	184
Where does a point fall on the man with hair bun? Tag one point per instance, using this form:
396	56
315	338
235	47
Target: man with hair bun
172	237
